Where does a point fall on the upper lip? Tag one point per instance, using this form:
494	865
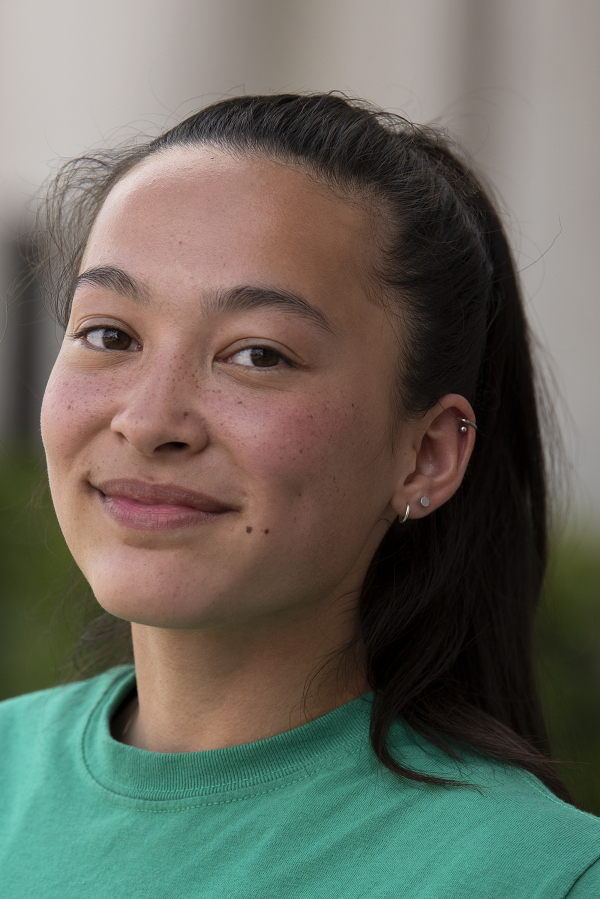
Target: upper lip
153	494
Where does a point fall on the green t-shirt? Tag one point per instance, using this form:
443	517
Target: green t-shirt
307	813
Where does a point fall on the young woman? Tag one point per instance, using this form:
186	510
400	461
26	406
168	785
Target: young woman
292	437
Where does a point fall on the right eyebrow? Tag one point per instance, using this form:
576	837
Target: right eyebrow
117	281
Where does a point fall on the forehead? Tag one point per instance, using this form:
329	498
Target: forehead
212	219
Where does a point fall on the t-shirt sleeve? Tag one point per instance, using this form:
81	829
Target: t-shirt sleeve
588	885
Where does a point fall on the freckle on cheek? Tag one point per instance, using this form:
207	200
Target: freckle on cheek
248	530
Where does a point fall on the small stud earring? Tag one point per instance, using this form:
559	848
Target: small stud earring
424	501
406	513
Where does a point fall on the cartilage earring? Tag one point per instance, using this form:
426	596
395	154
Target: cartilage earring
424	501
406	513
465	422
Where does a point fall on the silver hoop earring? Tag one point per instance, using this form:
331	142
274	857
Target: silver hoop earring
424	501
406	513
465	422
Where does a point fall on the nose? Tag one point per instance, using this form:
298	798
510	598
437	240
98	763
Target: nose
159	411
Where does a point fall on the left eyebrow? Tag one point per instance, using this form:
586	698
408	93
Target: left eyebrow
240	299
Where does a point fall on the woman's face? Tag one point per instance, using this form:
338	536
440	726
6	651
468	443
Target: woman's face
218	423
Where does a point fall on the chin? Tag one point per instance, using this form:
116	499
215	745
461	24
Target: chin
180	611
203	586
159	599
159	594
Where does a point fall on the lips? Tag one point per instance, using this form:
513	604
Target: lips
146	506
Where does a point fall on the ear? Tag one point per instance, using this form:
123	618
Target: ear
440	451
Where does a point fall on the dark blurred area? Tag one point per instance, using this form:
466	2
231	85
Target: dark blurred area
29	340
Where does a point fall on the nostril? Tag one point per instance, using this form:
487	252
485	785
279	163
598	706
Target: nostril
172	445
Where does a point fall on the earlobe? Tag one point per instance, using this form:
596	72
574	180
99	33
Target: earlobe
442	443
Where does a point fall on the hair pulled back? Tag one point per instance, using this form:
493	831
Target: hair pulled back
447	608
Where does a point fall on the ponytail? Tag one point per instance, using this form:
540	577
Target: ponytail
448	607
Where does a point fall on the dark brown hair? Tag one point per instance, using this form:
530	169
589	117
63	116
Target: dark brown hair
448	604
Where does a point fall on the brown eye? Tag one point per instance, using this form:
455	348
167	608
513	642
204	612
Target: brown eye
110	339
263	357
259	357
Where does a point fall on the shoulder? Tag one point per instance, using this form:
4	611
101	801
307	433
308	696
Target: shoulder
500	825
27	720
501	792
588	885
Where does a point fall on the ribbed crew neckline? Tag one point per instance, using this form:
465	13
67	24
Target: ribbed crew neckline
335	738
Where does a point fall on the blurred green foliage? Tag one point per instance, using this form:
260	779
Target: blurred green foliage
568	658
36	573
42	616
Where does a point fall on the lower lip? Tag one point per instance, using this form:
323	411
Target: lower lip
161	517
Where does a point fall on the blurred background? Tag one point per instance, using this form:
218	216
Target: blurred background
516	80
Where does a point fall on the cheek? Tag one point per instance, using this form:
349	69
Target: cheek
308	443
71	411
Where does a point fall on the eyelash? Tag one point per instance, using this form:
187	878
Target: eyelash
84	332
269	349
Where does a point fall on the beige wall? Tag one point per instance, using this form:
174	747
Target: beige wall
518	79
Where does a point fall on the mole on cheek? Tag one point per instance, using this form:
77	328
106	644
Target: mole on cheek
248	530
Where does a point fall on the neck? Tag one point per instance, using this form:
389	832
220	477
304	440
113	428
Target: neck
217	687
